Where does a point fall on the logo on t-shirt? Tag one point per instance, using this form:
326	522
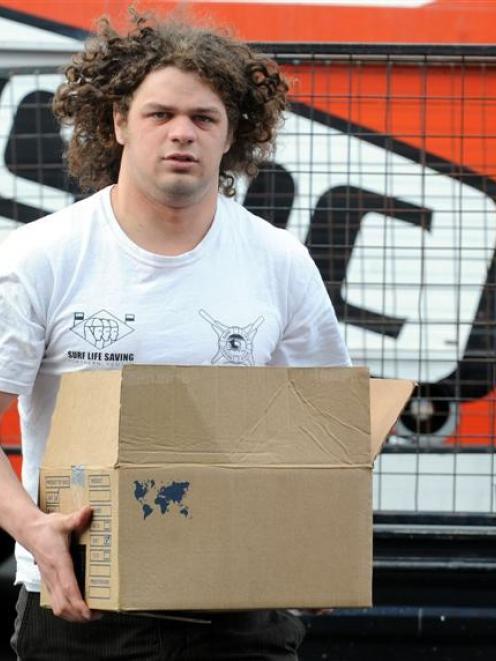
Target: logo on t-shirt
235	344
101	330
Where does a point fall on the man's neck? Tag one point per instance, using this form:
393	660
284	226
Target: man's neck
160	228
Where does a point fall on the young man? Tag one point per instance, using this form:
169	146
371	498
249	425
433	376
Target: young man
156	267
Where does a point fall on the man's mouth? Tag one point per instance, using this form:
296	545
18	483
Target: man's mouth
181	158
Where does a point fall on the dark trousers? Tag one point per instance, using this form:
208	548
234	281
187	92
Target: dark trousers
246	636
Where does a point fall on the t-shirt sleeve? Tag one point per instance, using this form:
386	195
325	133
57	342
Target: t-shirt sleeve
22	327
312	336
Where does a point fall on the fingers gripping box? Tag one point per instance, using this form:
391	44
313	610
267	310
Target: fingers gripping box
221	488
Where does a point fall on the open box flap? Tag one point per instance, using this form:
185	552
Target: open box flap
85	423
388	397
264	416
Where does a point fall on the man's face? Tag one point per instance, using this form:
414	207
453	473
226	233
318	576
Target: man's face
174	137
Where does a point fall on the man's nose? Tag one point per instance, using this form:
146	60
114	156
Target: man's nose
182	129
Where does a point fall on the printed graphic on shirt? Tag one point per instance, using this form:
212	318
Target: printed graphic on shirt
101	330
235	344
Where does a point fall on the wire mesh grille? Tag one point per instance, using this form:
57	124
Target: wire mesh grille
386	169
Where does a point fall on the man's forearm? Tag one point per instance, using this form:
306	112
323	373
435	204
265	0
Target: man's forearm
18	514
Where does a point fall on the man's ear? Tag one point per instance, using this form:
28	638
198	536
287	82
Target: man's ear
229	141
120	125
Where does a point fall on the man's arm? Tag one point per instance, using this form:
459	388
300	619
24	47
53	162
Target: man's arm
46	536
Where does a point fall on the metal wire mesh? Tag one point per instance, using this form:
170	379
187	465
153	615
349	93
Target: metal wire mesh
386	169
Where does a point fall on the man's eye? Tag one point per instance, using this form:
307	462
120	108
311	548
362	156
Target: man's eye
160	115
204	119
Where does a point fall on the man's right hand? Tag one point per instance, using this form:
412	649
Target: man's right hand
48	539
46	536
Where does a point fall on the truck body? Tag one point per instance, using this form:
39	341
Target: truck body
385	168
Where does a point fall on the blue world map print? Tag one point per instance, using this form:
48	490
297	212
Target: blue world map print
152	496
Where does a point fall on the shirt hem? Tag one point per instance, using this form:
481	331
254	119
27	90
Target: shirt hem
29	585
14	389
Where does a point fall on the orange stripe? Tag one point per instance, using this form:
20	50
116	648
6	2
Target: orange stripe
443	21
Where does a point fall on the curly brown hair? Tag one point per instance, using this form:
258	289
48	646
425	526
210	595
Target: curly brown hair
113	65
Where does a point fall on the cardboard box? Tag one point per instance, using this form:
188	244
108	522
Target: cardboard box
221	488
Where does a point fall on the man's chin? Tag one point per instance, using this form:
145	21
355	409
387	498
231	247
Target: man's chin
182	192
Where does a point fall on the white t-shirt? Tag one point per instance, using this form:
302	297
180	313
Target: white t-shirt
76	294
